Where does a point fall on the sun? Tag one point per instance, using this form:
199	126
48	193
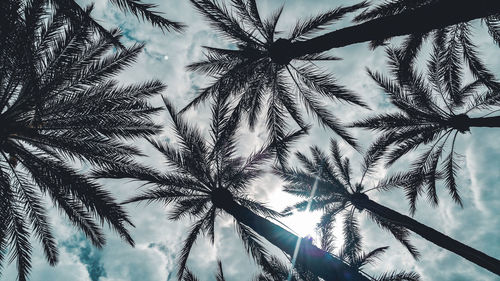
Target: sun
303	223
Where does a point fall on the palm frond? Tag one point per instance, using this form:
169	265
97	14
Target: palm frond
146	12
399	232
38	216
247	10
325	84
222	21
270	24
493	24
325	230
188	243
471	56
305	28
192	206
389	8
399	276
451	68
220	272
352	237
258	207
253	243
450	171
326	118
189	276
369	258
166	196
60	179
18	235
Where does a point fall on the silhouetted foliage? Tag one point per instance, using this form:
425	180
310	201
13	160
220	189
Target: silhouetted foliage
457	34
351	255
417	19
433	109
257	74
58	104
203	174
138	8
454	41
326	183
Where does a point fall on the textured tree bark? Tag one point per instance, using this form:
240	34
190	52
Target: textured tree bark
434	236
437	15
316	260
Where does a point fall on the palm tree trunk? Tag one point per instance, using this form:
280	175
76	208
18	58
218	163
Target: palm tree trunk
440	14
321	263
434	236
492	122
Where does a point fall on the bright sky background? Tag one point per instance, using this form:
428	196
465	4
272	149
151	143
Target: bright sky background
159	240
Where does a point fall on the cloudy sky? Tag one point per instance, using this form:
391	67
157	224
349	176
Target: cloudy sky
159	240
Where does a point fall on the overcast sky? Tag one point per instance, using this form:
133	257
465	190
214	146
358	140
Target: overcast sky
159	240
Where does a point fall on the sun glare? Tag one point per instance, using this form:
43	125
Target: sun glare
303	223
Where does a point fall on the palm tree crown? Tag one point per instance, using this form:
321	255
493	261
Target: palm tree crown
259	67
57	104
334	192
326	182
204	176
432	112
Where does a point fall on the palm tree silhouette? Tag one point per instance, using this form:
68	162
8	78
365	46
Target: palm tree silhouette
395	18
58	104
431	115
330	177
208	180
455	39
256	69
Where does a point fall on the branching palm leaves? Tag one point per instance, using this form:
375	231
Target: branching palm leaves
335	194
432	112
203	176
258	72
454	40
353	255
57	104
141	10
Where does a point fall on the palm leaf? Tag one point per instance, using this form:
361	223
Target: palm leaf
305	28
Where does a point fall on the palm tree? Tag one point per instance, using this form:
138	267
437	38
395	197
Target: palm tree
326	183
395	18
429	115
58	104
455	38
256	69
208	180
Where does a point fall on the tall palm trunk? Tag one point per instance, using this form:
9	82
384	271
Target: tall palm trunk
432	235
316	260
493	122
439	14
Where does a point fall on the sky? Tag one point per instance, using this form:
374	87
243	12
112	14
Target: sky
158	240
